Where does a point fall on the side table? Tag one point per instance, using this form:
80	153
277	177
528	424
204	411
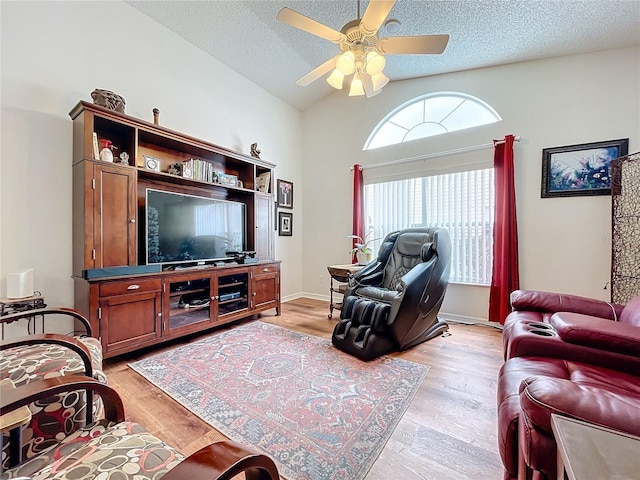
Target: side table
340	274
587	451
15	305
12	423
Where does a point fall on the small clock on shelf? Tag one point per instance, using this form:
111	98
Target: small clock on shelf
186	172
151	163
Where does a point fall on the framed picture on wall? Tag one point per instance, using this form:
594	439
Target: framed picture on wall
285	224
285	194
583	169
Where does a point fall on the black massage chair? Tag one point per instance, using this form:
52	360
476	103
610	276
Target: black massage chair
392	303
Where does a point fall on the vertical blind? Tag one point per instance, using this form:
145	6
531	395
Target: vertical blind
462	202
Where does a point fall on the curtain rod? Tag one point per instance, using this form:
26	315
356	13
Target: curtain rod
439	154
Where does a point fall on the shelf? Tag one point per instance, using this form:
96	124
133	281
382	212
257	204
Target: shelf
235	284
176	293
239	299
163	176
187	309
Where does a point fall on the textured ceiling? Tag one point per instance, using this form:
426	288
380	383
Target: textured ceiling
245	35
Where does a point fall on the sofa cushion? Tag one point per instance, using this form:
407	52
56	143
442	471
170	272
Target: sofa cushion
123	451
47	455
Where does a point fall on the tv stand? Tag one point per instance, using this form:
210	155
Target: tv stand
134	310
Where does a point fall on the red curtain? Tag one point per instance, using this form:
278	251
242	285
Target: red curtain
358	206
505	276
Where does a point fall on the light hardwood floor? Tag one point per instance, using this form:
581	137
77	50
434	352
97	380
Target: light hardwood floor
448	432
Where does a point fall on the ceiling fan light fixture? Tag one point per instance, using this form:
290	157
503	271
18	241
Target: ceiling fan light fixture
356	86
379	80
336	79
346	63
375	63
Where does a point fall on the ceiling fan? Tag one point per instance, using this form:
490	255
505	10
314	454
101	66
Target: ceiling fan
362	49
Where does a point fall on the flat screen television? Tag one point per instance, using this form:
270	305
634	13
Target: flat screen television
183	228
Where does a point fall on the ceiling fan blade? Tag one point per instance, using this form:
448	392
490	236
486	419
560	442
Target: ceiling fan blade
416	44
295	19
376	12
317	72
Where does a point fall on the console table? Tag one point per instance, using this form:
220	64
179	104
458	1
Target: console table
340	274
587	451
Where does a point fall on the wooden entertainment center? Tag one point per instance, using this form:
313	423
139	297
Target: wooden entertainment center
129	304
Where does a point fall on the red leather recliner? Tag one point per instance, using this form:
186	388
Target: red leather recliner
593	394
587	330
558	339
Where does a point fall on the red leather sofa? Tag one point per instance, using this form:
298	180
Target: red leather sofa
573	328
569	355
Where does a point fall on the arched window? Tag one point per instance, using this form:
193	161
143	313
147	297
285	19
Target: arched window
429	115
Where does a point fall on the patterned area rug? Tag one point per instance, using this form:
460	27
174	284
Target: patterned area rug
318	412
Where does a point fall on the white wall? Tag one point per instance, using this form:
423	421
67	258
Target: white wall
565	243
53	55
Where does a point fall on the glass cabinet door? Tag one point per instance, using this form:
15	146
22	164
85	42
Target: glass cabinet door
189	301
233	293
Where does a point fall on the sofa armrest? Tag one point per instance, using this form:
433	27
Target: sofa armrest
540	396
12	399
597	333
549	302
49	311
223	461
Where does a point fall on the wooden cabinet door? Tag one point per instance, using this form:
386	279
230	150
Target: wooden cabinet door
187	304
265	287
114	211
264	234
130	314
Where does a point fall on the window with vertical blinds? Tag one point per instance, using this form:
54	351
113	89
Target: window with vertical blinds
462	202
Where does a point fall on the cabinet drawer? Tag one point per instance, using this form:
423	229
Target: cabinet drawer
265	269
130	286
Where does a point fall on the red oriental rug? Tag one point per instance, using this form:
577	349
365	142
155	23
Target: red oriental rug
318	412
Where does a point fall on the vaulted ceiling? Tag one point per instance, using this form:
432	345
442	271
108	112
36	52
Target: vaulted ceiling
245	35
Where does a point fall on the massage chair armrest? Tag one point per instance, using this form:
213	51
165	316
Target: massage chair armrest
418	277
55	339
371	274
549	302
14	398
223	461
49	311
595	332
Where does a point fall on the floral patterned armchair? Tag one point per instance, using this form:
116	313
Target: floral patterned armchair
115	448
29	358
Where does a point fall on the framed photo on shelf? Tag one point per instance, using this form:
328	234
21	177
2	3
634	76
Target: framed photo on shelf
285	224
580	170
263	182
285	194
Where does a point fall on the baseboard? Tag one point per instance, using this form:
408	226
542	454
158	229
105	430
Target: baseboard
444	315
312	296
468	320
